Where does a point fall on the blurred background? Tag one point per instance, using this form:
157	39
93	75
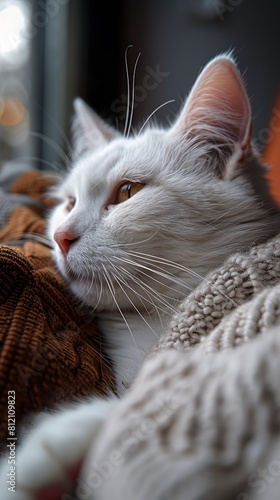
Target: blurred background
54	50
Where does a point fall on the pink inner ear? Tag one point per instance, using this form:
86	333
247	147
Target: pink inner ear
219	100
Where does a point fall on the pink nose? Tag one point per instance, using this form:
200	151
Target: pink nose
65	239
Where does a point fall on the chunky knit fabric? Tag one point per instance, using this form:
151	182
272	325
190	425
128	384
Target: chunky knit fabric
247	286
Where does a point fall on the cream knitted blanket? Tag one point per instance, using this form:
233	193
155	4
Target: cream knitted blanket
214	432
234	304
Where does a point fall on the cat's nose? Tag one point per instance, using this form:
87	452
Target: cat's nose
65	240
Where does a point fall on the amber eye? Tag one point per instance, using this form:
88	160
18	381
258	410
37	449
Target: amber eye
128	190
70	203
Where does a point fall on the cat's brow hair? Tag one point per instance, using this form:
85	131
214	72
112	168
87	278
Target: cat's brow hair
129	105
66	163
128	90
130	100
132	97
152	114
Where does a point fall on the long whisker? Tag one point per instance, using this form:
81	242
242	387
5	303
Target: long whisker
89	290
170	263
117	245
134	306
182	268
155	110
159	273
108	279
43	162
125	283
128	91
160	299
133	92
157	295
54	146
147	298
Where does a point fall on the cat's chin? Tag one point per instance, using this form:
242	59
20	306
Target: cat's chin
90	293
101	294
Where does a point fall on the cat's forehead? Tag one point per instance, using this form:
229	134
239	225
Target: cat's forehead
127	158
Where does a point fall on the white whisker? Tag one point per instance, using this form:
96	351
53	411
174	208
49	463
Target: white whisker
54	146
112	291
147	298
89	290
43	162
134	306
132	98
124	281
156	294
128	92
150	116
123	245
141	284
182	268
159	273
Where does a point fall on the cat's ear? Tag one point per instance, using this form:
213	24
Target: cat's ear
89	131
217	116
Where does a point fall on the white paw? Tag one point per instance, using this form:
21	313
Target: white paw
49	460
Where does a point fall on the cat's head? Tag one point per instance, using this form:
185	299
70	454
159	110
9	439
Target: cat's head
142	218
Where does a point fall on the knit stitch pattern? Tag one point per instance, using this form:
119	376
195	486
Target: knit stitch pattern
244	279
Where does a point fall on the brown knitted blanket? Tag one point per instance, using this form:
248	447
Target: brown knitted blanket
50	350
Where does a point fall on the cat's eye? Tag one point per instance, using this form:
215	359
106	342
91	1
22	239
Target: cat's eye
127	190
70	203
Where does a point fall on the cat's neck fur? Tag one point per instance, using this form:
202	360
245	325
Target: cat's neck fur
128	341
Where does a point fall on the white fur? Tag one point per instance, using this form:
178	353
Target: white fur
53	447
132	262
127	344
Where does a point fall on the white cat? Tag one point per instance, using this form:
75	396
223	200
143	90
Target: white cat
142	219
